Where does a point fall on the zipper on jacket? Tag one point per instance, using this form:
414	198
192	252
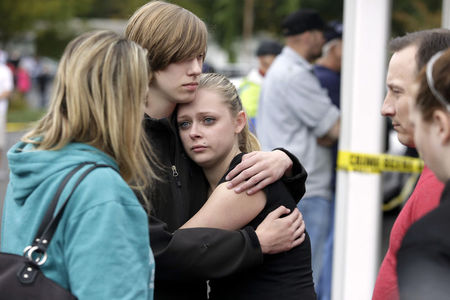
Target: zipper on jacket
175	175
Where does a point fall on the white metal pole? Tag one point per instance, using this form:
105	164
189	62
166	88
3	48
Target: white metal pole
446	14
358	202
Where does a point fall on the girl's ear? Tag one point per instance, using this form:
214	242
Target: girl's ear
241	121
441	119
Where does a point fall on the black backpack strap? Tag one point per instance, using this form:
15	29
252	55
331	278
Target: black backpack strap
50	223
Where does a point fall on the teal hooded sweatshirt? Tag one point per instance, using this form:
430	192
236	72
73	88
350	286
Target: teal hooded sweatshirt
101	247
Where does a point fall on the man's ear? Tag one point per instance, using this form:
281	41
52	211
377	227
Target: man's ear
441	121
306	36
241	121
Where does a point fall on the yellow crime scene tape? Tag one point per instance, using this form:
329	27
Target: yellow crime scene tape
377	163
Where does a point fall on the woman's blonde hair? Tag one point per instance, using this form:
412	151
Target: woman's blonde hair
98	99
221	85
169	32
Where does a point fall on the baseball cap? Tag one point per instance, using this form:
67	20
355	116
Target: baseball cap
301	21
333	31
269	47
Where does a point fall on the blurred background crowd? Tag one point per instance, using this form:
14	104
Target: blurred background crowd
34	33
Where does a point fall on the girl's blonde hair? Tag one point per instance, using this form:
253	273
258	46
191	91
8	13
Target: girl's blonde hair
169	32
98	99
220	84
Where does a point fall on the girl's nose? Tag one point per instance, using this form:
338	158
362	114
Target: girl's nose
194	132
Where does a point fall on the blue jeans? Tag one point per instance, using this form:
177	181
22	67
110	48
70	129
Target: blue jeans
325	277
317	213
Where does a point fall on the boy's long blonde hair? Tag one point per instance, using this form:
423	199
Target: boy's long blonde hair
98	99
220	84
169	32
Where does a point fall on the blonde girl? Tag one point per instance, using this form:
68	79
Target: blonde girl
95	116
215	135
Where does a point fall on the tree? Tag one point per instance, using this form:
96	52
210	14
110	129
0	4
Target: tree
409	16
19	16
225	18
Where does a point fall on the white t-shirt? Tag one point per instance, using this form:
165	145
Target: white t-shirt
6	84
294	110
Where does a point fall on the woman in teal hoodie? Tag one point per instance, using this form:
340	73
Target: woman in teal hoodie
100	249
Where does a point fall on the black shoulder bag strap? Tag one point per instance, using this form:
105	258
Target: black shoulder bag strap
49	223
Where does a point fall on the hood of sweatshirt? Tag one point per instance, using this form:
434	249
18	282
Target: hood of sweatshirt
29	167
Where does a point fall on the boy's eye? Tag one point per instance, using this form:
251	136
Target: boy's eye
184	125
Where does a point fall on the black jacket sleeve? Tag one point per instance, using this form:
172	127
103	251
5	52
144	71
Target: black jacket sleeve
202	253
296	182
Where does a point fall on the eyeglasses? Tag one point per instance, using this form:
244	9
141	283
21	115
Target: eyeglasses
430	81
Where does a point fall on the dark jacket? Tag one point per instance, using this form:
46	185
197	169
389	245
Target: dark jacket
186	258
286	275
423	261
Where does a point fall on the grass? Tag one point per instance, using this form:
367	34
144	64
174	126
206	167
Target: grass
25	116
20	115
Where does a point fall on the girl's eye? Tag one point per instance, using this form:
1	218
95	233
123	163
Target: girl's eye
208	120
184	125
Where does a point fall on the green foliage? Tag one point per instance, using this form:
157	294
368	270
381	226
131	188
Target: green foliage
15	16
269	14
413	15
202	8
52	41
19	110
26	115
19	16
228	16
111	8
329	10
17	102
223	17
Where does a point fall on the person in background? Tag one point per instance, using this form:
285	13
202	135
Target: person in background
295	112
185	258
328	70
208	68
250	87
423	259
410	53
42	76
215	134
95	116
23	85
6	89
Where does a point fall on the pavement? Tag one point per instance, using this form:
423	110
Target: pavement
11	139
